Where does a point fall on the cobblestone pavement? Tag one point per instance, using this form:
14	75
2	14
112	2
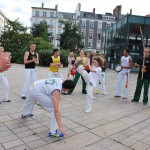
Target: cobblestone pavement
114	123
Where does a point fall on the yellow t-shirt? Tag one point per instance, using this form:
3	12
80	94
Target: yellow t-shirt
84	60
55	68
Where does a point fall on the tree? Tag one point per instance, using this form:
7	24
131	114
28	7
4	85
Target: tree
71	38
40	30
15	36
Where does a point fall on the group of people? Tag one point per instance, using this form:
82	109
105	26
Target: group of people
92	70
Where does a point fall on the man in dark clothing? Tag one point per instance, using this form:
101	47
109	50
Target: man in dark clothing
143	79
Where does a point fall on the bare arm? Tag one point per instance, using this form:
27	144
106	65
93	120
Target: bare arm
26	61
37	59
56	101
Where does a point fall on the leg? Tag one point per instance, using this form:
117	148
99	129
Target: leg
5	84
33	75
59	75
119	84
145	94
89	97
50	75
102	80
26	81
137	93
75	80
126	77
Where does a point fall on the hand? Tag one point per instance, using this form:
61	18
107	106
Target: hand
122	67
64	132
136	65
34	59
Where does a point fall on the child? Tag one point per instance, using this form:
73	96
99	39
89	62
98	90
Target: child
4	81
90	78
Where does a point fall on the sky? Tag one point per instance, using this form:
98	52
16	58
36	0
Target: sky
14	9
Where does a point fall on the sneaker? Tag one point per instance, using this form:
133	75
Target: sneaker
27	116
88	110
57	134
23	97
85	92
78	63
117	96
7	100
134	100
124	98
97	91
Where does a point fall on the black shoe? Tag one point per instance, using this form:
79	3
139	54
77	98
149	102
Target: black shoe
23	97
134	100
26	116
7	101
85	92
78	63
117	96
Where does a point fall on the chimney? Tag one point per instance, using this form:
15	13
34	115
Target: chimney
131	11
94	12
42	5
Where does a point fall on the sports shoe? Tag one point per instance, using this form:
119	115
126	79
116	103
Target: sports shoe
97	91
7	100
87	110
124	98
57	134
117	96
134	100
23	97
27	116
78	63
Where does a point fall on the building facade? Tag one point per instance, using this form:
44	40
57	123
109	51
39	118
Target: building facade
3	20
91	24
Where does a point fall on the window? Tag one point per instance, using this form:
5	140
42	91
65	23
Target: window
89	44
59	31
44	14
83	43
51	23
52	14
99	36
36	13
83	33
36	21
83	24
91	25
91	35
59	24
60	16
99	25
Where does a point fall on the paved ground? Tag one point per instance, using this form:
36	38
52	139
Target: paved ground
114	124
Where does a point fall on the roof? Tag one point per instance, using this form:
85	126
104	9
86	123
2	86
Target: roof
67	15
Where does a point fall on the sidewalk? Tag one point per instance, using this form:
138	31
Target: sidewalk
114	123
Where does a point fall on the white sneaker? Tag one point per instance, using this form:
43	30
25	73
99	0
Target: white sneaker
88	110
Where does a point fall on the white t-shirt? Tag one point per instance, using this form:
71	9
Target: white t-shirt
94	77
47	86
125	61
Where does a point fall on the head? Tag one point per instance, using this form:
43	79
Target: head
81	53
126	52
97	61
71	54
88	54
146	52
67	85
94	53
1	50
32	46
56	52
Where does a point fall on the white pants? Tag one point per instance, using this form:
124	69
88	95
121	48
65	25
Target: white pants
122	77
55	75
5	85
45	100
103	82
29	76
89	87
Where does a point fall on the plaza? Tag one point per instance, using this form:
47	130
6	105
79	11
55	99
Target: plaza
114	123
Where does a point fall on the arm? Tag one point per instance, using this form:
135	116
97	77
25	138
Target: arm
130	64
52	64
56	101
37	59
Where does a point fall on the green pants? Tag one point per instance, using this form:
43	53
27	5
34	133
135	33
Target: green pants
139	85
77	76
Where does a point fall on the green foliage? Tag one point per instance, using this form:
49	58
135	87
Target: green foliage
14	36
64	55
17	56
42	45
40	30
71	38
